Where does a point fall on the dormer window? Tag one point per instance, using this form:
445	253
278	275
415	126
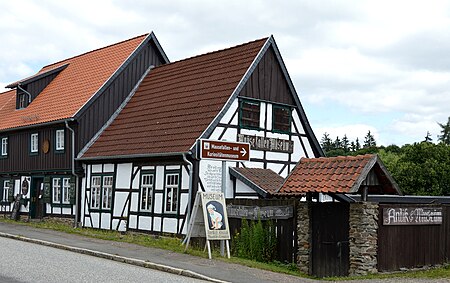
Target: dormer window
22	101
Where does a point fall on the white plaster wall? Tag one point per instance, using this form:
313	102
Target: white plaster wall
184	199
216	133
119	203
148	167
156	223
243	188
159	178
270	155
67	210
298	150
158	203
133	221
106	218
123	175
96	168
172	167
134	201
269	117
95	220
308	147
296	120
108	168
226	118
145	222
170	225
262	114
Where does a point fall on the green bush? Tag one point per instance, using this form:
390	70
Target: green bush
256	241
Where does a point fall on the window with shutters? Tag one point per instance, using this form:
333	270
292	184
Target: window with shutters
6	192
171	192
146	191
56	188
249	114
281	119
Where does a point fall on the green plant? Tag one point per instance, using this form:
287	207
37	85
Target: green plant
256	241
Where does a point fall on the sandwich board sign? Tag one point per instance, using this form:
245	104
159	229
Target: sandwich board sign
209	219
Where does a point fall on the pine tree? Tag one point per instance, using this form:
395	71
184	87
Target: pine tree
428	137
445	137
345	143
326	142
337	143
357	144
369	140
352	146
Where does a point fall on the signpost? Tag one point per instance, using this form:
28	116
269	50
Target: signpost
215	209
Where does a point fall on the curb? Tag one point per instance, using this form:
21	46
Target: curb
137	262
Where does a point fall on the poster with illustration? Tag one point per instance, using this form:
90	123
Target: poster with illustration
215	216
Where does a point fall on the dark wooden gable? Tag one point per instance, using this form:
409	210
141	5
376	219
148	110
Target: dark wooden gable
267	82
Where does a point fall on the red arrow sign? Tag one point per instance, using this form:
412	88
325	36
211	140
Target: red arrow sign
224	150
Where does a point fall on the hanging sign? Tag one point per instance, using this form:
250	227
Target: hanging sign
224	150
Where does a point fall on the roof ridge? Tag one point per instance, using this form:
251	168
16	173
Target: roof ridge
339	158
95	50
213	52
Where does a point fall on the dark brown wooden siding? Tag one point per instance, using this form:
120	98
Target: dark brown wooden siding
21	160
413	245
101	109
267	82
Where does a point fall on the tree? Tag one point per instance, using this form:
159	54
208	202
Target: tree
445	137
326	142
369	140
337	143
345	143
357	144
428	137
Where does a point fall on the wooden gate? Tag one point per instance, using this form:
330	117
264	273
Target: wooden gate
330	239
285	227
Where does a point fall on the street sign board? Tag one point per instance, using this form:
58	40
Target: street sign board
224	150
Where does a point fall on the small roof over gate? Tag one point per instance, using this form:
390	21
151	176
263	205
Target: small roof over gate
263	181
342	174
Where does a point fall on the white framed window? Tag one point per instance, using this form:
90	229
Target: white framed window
22	101
95	191
34	143
56	189
6	188
4	151
107	192
171	189
147	181
66	191
59	140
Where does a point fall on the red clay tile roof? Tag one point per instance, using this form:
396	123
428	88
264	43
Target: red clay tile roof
265	179
342	174
71	88
175	103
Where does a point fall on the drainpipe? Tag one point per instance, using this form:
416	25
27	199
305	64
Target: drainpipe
29	94
75	224
191	168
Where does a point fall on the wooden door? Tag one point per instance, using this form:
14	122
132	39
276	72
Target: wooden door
37	205
330	235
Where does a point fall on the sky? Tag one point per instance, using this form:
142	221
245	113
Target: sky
357	66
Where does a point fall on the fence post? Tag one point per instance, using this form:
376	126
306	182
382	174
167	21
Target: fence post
363	237
304	236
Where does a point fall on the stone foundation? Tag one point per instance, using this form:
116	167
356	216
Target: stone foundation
363	237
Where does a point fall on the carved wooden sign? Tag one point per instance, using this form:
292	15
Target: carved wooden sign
268	144
257	212
412	216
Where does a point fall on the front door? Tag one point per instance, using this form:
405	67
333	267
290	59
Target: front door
37	205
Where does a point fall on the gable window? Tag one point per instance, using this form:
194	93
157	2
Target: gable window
107	192
59	140
4	151
249	114
281	119
95	192
6	192
34	143
171	191
146	191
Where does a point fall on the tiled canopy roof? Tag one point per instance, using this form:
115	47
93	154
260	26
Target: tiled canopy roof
72	87
343	174
264	181
175	103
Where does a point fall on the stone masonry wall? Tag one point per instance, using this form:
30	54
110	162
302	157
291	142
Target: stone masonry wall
304	236
363	238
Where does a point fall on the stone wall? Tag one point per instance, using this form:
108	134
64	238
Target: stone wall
363	237
304	236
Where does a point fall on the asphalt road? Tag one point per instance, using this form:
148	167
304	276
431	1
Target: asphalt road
26	262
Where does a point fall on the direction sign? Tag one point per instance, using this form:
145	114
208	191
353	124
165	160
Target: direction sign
224	150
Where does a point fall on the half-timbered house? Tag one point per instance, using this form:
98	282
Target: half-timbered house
142	170
46	119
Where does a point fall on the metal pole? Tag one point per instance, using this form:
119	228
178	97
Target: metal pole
224	184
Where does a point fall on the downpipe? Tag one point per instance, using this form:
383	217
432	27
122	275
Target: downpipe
75	224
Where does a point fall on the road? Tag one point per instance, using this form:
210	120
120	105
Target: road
26	262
